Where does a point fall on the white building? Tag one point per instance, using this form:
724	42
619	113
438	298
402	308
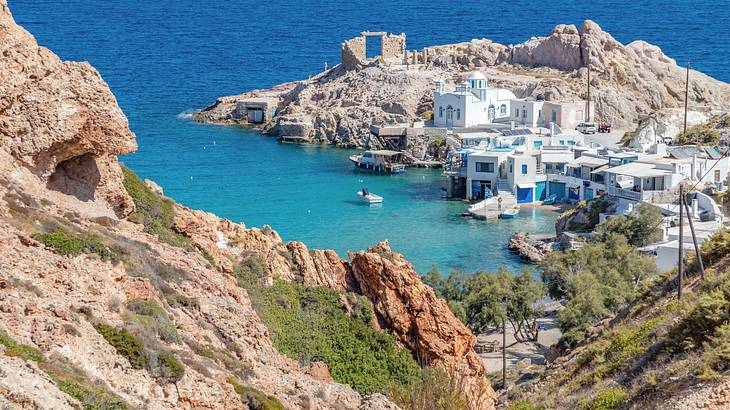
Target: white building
473	103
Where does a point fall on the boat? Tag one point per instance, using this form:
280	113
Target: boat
369	197
509	214
550	200
380	161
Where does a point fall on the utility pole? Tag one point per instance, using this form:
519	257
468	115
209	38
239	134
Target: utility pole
686	99
588	108
504	353
681	237
694	240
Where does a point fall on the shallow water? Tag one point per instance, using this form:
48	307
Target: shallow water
164	58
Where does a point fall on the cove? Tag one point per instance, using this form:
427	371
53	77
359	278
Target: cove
308	193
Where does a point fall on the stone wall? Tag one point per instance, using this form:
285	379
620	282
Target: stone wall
354	50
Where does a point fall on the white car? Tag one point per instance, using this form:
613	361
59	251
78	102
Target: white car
586	128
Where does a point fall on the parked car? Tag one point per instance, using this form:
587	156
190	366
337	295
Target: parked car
604	127
586	127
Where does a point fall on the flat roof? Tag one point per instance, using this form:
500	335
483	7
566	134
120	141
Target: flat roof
591	161
623	155
639	169
383	152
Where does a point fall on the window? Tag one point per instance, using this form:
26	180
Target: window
503	110
562	142
485	167
537	144
717	175
458	113
441	112
524	113
510	168
554	116
517	113
524	169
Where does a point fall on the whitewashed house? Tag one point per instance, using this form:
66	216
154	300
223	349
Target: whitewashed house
472	104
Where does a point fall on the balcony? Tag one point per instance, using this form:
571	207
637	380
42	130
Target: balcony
624	193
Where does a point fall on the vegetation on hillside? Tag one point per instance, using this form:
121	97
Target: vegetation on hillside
157	214
656	347
64	242
707	133
483	300
310	324
641	227
595	281
92	395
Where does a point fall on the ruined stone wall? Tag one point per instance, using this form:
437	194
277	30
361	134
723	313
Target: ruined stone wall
353	52
393	46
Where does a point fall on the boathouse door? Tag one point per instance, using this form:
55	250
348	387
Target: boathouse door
255	116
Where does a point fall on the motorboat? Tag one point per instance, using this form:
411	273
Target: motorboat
509	214
369	197
550	200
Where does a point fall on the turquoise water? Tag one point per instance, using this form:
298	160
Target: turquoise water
308	193
162	58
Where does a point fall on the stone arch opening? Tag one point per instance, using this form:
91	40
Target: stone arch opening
78	176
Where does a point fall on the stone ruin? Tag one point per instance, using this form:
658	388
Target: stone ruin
392	46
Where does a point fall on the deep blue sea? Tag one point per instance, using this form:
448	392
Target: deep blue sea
164	58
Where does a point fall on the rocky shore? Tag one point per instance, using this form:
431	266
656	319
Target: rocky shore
88	252
628	82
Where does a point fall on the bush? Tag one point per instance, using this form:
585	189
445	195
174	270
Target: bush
608	399
255	399
249	272
208	257
641	227
309	324
170	370
435	389
66	243
702	134
155	213
125	344
15	349
426	115
153	316
69	379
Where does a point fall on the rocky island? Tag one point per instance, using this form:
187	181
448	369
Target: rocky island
342	105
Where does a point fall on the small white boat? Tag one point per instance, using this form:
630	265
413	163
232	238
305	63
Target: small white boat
369	197
509	214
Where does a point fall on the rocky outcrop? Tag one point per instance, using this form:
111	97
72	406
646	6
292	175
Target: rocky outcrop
628	82
663	127
60	120
532	250
419	319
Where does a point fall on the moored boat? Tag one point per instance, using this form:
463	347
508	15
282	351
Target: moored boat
550	200
509	214
369	197
382	161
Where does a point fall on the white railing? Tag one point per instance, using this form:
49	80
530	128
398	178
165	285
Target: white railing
624	193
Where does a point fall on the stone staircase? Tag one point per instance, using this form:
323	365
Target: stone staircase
491	207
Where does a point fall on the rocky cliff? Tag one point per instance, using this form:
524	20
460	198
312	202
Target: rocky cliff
628	82
113	295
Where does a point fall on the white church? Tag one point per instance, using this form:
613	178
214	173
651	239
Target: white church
473	103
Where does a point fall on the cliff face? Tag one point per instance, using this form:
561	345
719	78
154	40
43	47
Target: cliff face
628	82
87	258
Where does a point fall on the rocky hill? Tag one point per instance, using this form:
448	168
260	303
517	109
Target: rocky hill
114	296
628	82
658	353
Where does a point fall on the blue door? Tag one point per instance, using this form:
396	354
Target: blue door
540	191
524	195
574	193
557	189
588	194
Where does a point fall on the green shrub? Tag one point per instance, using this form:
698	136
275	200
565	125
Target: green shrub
703	134
435	389
716	354
208	257
255	399
309	324
170	370
15	349
426	115
155	213
70	380
249	272
66	243
608	399
125	344
153	316
521	405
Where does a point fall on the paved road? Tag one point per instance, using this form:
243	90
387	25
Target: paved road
609	140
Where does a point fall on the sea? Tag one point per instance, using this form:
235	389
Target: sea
165	59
